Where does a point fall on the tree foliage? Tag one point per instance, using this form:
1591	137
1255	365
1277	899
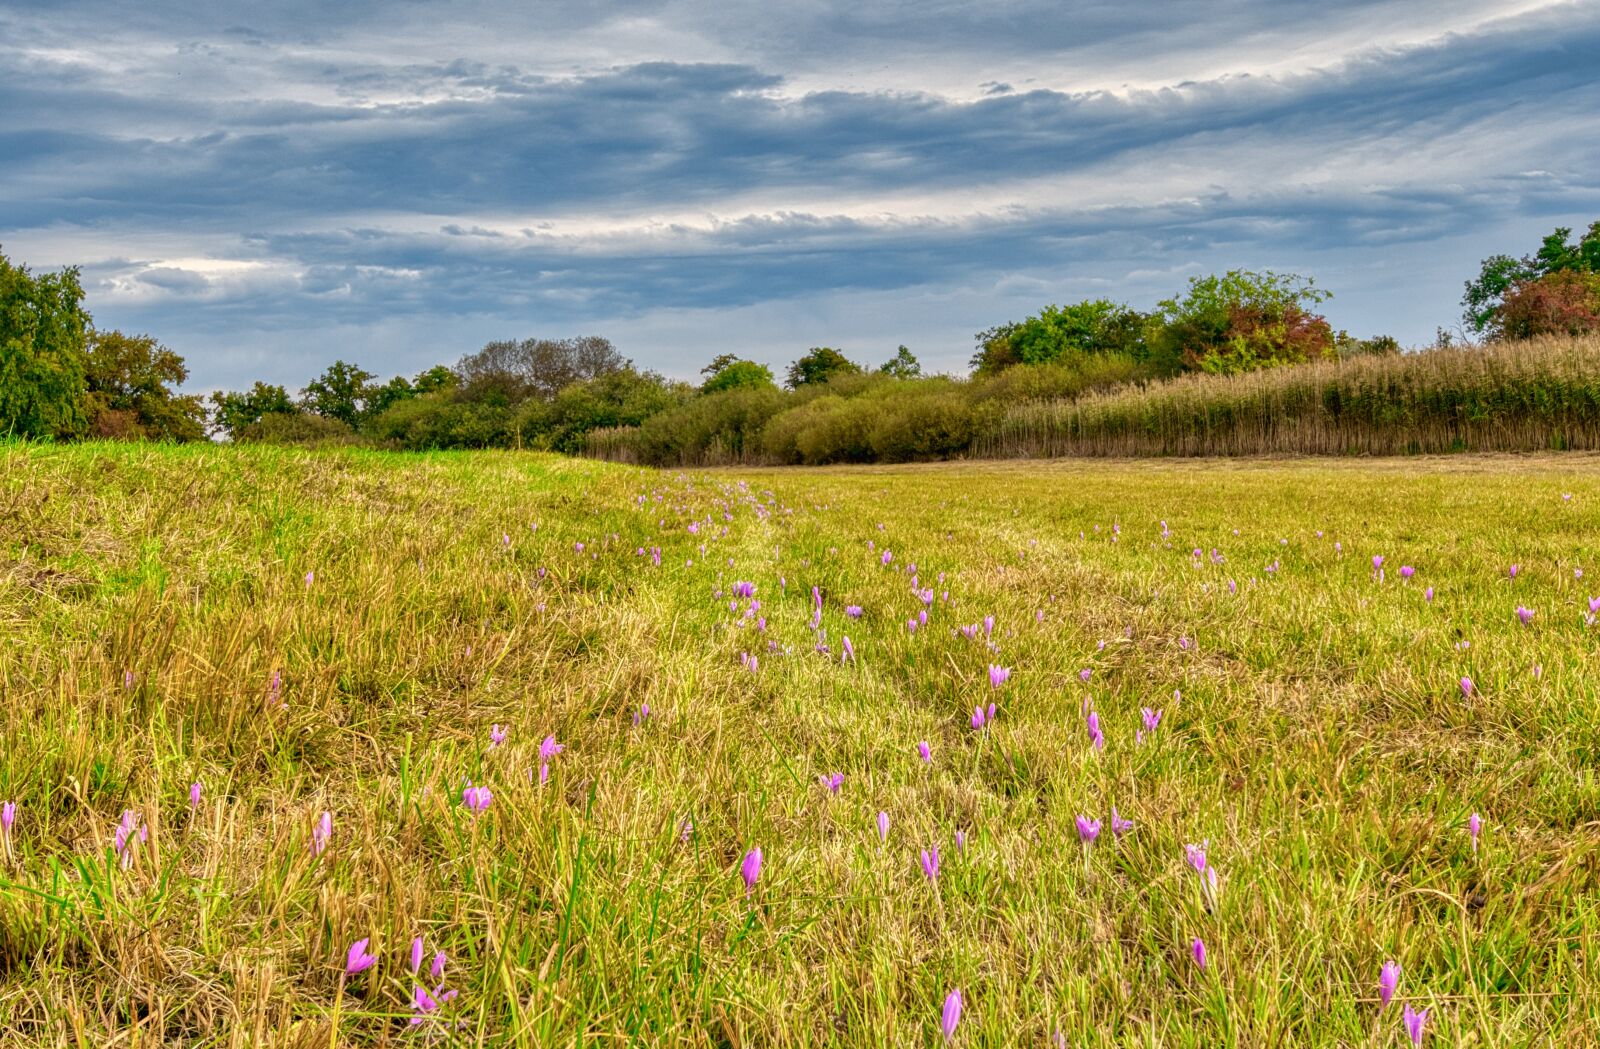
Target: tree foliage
43	357
1540	306
539	367
728	372
903	365
820	364
132	383
232	412
1239	321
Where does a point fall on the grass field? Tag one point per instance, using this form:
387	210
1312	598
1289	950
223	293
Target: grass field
347	633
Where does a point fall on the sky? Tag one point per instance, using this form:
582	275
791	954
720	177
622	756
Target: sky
268	187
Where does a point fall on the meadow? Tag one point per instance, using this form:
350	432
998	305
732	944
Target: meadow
359	748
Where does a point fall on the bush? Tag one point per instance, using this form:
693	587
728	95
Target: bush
298	428
440	420
1241	321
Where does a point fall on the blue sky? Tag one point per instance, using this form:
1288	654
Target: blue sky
268	187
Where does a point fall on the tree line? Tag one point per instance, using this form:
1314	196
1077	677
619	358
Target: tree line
61	377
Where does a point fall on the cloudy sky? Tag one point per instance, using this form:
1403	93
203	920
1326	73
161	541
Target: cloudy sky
267	187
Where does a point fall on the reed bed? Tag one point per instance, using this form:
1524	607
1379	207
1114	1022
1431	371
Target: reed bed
1507	397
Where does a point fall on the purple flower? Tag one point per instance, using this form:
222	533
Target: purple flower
1085	674
1119	826
1474	828
641	715
1388	980
1514	570
550	748
988	626
321	833
1377	562
194	794
8	817
1406	571
922	749
887	557
416	954
930	863
358	960
1414	1022
849	652
853	611
1152	718
1198	950
1466	688
883	826
977	717
1088	829
832	781
1427	595
436	970
1196	855
497	736
1096	738
961	841
998	675
476	799
1525	614
951	1014
750	870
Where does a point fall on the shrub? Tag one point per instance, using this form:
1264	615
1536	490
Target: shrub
1241	321
305	429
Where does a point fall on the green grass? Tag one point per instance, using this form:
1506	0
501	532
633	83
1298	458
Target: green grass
1322	745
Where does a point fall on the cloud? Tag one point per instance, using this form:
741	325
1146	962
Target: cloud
299	172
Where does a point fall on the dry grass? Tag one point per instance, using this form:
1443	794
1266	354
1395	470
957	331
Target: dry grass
1321	744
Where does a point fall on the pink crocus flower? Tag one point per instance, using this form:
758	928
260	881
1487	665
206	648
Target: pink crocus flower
416	954
998	675
1474	828
951	1015
497	736
1119	826
750	869
194	794
358	959
832	781
1088	829
1414	1022
1198	951
1466	687
930	863
1388	980
321	833
1525	615
476	799
8	817
925	753
883	826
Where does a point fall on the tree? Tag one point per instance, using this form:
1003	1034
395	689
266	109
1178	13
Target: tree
232	412
537	367
728	372
132	385
818	365
339	393
43	333
1499	275
903	365
1240	321
1566	302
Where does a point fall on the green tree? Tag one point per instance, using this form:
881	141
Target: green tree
1239	321
1500	275
728	372
43	335
818	365
232	412
903	365
132	385
341	393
